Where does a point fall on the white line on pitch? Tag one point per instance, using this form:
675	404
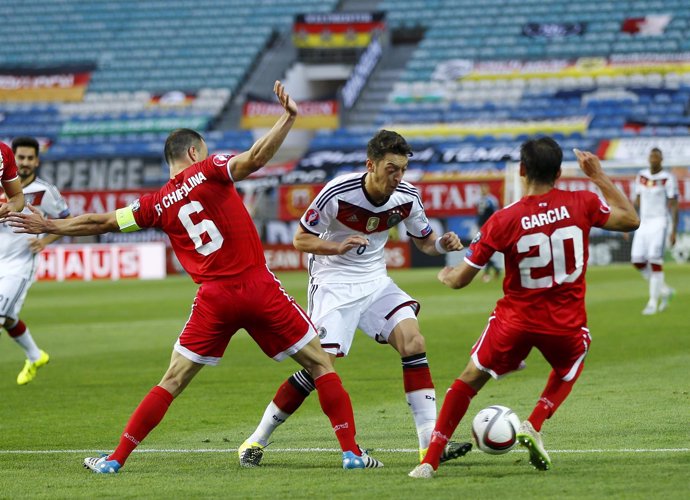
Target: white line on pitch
333	450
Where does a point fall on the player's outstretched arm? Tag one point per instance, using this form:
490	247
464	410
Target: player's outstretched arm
623	215
83	225
244	164
673	209
448	242
459	276
307	242
15	197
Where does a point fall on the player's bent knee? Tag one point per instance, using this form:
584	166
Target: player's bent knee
407	343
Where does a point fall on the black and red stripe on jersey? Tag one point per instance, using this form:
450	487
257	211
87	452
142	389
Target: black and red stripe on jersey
365	221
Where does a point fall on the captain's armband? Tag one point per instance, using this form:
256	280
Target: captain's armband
125	220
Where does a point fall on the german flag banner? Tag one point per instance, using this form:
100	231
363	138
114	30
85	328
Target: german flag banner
312	114
337	30
66	84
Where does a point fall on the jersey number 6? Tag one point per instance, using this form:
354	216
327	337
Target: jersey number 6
196	230
552	249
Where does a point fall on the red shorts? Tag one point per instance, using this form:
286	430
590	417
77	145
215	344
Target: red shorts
257	303
502	349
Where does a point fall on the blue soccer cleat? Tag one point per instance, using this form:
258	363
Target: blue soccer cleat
101	465
352	461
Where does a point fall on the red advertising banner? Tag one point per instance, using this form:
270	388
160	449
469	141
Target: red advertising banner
99	202
95	261
625	183
441	199
288	258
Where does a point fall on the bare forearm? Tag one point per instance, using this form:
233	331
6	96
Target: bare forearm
457	277
674	215
266	147
16	202
309	243
615	198
83	225
50	238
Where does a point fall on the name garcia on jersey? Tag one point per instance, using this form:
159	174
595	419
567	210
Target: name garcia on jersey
548	217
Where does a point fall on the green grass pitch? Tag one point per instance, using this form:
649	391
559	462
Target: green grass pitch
623	433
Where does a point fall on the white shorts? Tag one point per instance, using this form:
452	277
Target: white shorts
13	290
649	242
375	307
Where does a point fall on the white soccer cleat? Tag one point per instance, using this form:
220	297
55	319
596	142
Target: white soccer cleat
666	296
528	437
650	309
422	471
101	465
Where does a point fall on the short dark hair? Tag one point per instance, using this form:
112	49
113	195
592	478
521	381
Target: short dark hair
386	141
656	150
179	141
25	142
542	159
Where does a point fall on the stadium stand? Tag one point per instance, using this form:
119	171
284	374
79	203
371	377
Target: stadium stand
583	71
156	65
480	78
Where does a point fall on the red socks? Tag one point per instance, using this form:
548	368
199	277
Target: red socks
17	330
336	404
416	374
454	407
554	394
148	415
288	398
415	379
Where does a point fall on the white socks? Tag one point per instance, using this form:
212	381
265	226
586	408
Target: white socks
273	417
656	283
30	348
422	403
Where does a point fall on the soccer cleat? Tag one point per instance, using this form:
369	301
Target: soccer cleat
101	465
666	297
352	461
531	439
451	451
250	454
650	309
422	471
28	373
455	450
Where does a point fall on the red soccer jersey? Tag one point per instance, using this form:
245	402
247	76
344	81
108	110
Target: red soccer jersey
545	240
209	228
8	167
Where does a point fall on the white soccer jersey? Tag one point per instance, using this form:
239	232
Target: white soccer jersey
342	209
15	256
654	191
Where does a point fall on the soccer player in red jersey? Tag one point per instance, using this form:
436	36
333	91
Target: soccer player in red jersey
544	237
216	242
11	185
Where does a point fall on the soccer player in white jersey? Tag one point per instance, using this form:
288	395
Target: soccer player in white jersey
344	230
656	197
18	254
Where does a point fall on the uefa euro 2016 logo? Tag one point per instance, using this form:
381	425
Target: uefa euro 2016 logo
312	217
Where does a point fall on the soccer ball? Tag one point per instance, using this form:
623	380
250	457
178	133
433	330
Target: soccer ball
494	429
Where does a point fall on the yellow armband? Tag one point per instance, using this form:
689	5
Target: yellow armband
125	220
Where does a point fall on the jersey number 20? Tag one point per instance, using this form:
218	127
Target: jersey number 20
552	249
